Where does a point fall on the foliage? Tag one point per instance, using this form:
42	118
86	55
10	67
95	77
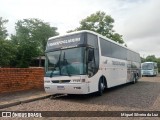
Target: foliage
7	53
101	23
7	50
30	40
142	59
158	62
3	31
151	58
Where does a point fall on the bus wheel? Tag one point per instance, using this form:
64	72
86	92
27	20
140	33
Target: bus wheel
101	87
134	79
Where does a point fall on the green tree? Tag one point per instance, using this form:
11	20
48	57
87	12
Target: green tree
7	53
30	40
101	23
158	63
151	58
7	50
143	59
3	31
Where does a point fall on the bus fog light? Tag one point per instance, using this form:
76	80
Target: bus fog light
46	81
83	80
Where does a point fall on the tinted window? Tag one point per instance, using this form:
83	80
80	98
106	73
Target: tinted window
123	52
110	49
118	52
132	56
92	41
129	55
115	51
105	48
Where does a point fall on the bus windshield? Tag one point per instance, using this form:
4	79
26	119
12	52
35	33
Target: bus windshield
147	66
66	62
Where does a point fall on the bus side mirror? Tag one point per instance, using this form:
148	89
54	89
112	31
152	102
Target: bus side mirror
90	54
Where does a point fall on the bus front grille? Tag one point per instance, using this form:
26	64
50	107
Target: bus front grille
61	81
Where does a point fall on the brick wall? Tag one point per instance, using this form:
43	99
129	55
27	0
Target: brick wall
18	79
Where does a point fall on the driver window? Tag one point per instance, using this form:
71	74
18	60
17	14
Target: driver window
93	54
91	62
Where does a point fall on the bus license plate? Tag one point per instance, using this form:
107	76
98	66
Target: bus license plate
60	87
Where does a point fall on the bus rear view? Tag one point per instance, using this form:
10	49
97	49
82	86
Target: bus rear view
149	69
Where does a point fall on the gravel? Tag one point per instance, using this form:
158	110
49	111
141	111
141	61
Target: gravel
142	96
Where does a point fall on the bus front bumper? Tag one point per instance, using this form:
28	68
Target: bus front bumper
147	72
70	88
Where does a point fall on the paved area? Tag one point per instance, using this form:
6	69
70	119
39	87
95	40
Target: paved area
142	96
16	98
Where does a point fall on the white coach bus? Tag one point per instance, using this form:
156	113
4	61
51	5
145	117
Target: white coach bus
85	62
149	69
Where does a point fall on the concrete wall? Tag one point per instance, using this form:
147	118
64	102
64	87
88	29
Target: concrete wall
18	79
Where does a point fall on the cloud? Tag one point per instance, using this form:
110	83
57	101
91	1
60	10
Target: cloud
143	21
147	46
141	28
136	20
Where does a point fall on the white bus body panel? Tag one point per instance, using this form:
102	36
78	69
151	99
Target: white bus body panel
66	88
115	74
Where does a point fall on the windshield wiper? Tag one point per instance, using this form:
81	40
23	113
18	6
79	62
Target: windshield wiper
57	64
51	74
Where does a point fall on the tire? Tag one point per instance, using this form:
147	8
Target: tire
101	87
134	79
137	77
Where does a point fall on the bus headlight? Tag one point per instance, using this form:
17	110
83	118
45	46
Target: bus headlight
46	81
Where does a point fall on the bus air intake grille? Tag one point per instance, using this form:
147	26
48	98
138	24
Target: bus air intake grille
61	81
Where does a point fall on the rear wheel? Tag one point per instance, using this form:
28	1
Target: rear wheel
134	79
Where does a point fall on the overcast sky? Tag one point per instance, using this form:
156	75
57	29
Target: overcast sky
137	20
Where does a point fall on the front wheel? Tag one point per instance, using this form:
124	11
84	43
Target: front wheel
101	87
